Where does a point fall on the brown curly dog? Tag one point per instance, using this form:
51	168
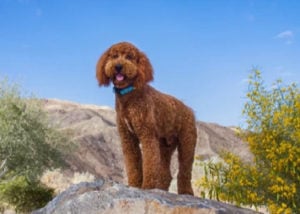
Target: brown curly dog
151	124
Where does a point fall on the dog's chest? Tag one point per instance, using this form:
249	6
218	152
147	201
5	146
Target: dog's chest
130	116
128	125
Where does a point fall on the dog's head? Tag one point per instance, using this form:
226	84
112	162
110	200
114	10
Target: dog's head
124	65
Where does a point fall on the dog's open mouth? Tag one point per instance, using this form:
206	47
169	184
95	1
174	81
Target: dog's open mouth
120	77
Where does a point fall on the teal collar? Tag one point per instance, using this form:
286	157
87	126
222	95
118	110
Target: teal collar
123	91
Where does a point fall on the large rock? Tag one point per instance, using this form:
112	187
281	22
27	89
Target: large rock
113	198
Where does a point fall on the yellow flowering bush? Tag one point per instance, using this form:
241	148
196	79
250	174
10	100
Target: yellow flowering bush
273	136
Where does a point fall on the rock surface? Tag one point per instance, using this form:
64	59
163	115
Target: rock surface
108	197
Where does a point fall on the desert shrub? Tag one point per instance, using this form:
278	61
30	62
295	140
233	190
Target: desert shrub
28	146
273	136
25	195
28	143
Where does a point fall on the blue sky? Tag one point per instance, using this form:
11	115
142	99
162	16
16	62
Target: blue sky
201	51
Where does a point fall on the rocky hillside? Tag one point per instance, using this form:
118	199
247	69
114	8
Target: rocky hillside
99	152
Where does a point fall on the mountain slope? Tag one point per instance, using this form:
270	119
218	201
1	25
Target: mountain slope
99	152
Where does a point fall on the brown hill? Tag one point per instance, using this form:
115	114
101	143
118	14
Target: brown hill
99	153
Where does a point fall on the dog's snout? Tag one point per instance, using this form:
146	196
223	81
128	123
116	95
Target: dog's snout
118	67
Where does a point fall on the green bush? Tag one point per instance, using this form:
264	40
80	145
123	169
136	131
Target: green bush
24	195
28	143
273	136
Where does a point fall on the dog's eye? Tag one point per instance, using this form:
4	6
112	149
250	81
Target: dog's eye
129	56
114	56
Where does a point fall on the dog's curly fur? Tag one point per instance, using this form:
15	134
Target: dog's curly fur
157	121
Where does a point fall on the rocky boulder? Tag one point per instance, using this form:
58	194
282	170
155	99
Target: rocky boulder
105	196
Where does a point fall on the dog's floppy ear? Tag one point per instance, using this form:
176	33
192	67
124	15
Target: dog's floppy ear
145	71
100	70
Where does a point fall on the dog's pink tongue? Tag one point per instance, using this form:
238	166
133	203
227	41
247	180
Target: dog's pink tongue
120	77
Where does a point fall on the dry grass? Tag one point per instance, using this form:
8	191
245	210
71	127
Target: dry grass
60	182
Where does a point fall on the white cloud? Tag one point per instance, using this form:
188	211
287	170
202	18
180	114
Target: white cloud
287	36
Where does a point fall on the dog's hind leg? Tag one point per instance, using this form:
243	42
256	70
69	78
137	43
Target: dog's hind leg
186	150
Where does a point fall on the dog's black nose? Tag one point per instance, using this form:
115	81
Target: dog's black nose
118	67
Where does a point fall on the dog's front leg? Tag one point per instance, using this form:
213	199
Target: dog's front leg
132	157
151	162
